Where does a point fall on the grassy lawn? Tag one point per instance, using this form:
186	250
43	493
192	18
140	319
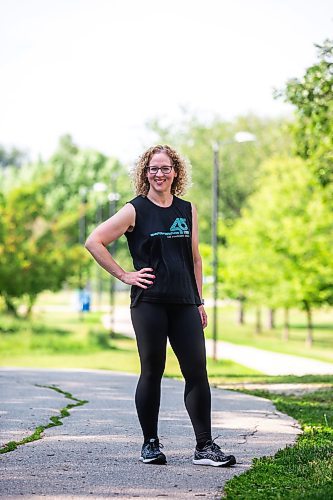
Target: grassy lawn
230	331
272	340
53	340
303	471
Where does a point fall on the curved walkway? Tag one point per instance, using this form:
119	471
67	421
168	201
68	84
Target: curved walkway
95	452
268	362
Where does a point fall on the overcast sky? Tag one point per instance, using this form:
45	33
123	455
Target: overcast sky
99	69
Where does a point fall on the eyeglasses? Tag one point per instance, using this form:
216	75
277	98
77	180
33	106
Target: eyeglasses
166	169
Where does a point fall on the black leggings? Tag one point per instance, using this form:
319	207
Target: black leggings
153	324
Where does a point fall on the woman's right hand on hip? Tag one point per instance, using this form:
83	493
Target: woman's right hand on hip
139	278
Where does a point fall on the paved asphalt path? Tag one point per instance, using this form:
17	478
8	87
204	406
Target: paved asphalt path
95	452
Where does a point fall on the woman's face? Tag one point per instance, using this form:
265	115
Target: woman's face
161	181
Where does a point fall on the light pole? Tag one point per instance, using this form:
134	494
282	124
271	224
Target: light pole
82	219
83	303
239	137
99	187
216	191
113	198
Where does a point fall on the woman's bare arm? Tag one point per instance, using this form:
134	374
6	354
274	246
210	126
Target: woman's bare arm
106	233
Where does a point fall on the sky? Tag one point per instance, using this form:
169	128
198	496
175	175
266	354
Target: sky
101	69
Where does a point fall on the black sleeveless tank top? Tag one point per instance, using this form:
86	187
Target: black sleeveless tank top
162	240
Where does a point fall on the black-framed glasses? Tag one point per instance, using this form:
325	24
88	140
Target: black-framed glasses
165	169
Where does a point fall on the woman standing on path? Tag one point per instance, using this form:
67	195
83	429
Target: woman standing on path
166	295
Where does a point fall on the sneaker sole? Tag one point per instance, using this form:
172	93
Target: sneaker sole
160	460
207	461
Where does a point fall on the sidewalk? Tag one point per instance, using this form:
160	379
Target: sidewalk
267	362
270	363
95	452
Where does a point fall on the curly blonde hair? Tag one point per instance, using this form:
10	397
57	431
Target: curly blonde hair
180	165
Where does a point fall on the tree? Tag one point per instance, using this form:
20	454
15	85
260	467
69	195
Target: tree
36	250
280	252
312	96
58	186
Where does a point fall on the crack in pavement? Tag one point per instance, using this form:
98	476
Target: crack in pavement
247	435
55	420
96	453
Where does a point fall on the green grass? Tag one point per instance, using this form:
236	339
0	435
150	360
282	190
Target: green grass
229	330
74	343
60	339
271	340
234	380
303	471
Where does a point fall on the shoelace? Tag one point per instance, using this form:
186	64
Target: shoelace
214	445
156	444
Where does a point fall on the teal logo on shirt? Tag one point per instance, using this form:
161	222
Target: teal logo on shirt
178	229
179	226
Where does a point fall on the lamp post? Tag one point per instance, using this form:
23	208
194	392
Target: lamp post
216	190
82	219
82	238
239	137
113	198
99	188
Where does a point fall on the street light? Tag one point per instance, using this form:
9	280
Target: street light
113	198
82	219
239	137
83	294
99	188
244	136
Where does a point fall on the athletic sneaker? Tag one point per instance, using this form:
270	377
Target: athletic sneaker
212	454
151	453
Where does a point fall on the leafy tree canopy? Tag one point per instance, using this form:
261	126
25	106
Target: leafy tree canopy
312	96
36	250
280	252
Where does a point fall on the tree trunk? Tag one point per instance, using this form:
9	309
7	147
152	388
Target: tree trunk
285	334
309	338
241	311
258	320
31	302
11	308
271	319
